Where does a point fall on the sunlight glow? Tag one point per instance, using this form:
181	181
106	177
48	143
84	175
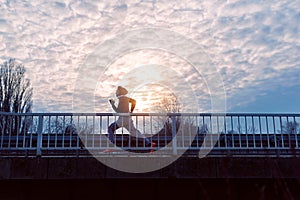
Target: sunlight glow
149	97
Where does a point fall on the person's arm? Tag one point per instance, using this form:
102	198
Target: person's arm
132	102
112	102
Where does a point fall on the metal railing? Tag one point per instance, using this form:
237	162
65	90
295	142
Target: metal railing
84	134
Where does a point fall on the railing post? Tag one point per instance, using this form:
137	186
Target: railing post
39	138
174	138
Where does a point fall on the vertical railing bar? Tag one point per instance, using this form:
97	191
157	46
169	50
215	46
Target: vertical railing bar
129	134
71	133
260	132
150	128
274	128
69	136
78	133
24	134
147	129
93	133
183	132
205	126
76	125
189	130
166	132
26	138
63	134
232	131
182	138
197	133
31	132
85	133
296	135
144	131
218	130
136	142
268	135
27	128
9	131
225	131
246	131
3	123
122	129
174	140
239	131
100	130
122	132
253	132
107	141
17	126
193	129
282	138
195	119
193	124
289	134
56	131
40	135
159	121
122	135
136	138
211	132
159	138
76	136
206	129
49	131
200	133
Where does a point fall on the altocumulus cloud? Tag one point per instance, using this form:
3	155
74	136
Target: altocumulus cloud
255	45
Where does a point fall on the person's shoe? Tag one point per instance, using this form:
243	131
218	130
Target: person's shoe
109	150
153	145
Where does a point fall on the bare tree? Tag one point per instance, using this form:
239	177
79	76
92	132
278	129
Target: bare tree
168	104
291	127
15	96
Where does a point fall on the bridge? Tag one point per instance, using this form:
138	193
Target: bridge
205	145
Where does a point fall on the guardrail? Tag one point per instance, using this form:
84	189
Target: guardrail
83	134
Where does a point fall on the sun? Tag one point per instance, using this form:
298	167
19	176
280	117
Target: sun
149	96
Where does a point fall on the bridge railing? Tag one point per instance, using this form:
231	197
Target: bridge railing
80	134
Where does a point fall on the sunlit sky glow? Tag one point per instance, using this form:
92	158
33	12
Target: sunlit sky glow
255	46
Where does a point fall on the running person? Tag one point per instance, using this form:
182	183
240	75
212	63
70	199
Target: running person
125	121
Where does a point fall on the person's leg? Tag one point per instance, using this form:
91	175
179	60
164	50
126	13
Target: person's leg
135	132
111	131
111	135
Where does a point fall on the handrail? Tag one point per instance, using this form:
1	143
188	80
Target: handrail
151	114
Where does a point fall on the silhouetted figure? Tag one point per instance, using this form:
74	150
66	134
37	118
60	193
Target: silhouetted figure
125	121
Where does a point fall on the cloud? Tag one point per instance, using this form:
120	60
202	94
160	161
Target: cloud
254	45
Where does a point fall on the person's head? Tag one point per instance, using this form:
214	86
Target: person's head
121	91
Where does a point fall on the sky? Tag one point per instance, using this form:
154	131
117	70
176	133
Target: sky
239	53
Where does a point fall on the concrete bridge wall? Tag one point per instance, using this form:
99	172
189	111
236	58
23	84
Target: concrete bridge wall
44	168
